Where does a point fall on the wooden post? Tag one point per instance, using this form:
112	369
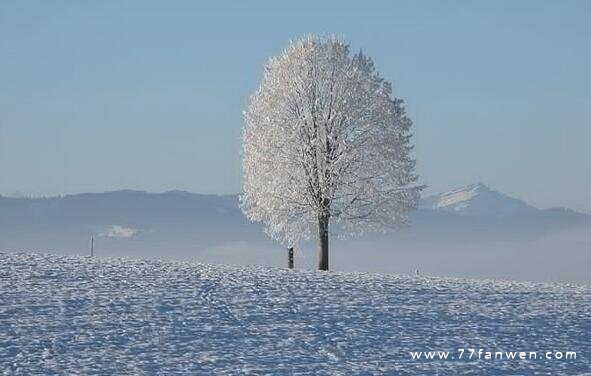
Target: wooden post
290	257
323	240
91	246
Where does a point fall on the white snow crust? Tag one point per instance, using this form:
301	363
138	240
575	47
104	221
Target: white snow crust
74	315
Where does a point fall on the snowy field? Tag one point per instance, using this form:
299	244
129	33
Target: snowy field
73	315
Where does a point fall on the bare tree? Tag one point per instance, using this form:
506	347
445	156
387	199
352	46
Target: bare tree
325	140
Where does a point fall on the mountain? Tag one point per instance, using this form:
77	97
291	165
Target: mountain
477	200
142	223
472	231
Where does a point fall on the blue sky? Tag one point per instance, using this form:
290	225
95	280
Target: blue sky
146	95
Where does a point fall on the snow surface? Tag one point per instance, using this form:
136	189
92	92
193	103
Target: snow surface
74	315
477	199
458	198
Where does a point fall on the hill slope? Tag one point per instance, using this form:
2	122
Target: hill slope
73	315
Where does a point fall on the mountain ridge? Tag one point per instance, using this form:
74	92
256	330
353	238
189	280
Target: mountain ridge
479	200
181	225
458	200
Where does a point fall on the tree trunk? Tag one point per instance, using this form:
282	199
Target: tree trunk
323	239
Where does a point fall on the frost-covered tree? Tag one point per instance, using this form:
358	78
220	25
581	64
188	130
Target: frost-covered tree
325	141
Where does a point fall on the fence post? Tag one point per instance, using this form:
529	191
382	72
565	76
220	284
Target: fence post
290	257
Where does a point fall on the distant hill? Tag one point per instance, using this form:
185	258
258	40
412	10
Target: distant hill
477	200
464	232
137	222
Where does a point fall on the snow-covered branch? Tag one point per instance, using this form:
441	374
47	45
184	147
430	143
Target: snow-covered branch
325	137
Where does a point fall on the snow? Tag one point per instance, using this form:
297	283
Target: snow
459	198
477	199
75	315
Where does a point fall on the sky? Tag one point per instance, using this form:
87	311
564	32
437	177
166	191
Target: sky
108	95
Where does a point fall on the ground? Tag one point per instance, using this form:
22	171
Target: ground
75	315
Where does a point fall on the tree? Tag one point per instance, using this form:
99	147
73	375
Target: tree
325	141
